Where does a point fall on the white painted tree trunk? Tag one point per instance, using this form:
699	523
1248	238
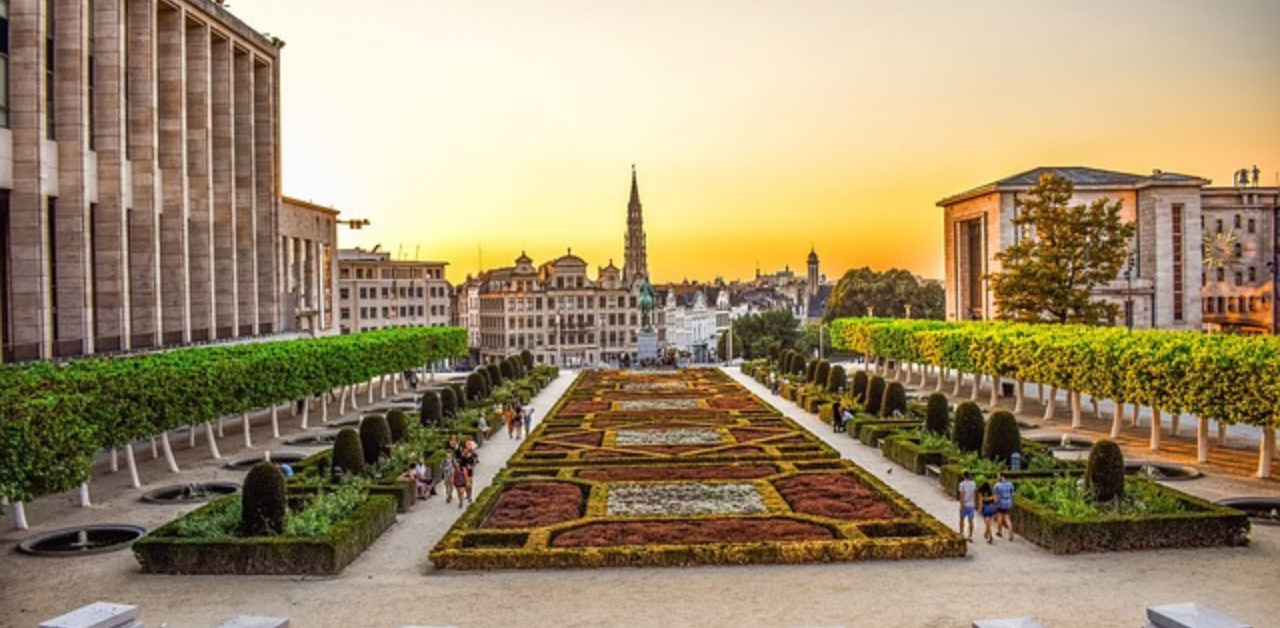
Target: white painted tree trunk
977	386
168	454
20	515
1019	393
324	408
115	460
221	429
942	376
83	495
1117	418
1202	440
306	411
1097	414
155	450
248	430
213	442
1176	424
1137	414
1266	451
1222	433
1155	429
382	390
1039	392
191	437
995	390
132	466
395	383
955	390
371	382
1049	403
275	422
1075	409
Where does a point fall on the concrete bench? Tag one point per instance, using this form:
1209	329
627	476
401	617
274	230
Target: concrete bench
250	621
1189	615
932	470
1009	622
97	615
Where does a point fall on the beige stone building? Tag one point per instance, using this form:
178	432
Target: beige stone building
375	291
308	263
139	177
1163	286
1238	284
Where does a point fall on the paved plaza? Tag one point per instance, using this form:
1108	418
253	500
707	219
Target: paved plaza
393	584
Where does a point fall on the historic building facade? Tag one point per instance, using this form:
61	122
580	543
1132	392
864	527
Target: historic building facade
139	177
1241	228
308	267
375	291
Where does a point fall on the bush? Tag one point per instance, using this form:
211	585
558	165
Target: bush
969	427
459	396
263	502
507	371
937	419
837	381
1002	437
895	400
810	368
432	409
822	373
1104	475
398	425
875	395
476	387
526	357
448	401
859	390
348	452
375	437
495	375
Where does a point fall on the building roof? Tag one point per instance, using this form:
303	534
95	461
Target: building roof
1079	176
297	202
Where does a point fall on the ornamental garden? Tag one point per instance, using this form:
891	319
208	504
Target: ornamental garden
681	468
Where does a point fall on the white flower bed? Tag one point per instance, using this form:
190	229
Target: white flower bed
685	499
658	404
691	436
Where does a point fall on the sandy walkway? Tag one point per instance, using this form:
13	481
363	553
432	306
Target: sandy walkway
393	584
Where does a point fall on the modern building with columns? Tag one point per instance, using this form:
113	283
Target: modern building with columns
308	267
139	177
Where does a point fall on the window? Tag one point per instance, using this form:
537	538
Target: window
1208	305
49	118
1239	278
1218	222
1236	220
1253	226
1253	274
1238	249
1177	262
1222	274
1253	304
344	293
344	313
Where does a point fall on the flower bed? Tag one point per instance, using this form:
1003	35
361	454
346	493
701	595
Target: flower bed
660	473
533	504
833	495
696	532
684	499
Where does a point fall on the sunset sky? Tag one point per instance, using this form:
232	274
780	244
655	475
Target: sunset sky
757	128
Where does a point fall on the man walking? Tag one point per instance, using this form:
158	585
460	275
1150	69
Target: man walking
967	493
1004	505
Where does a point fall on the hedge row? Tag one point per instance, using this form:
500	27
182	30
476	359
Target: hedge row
54	416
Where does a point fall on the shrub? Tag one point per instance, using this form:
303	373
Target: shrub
968	428
506	370
810	368
526	357
448	401
495	375
859	390
459	396
822	373
895	400
432	409
476	386
875	395
937	419
1002	437
375	437
837	381
348	452
263	503
1104	475
398	425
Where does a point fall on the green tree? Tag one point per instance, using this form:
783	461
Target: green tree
863	291
761	335
1050	274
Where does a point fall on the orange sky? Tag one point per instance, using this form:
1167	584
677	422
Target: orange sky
758	128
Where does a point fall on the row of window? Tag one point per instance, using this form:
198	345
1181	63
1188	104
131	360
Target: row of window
1239	276
403	292
565	302
393	273
1232	305
1218	224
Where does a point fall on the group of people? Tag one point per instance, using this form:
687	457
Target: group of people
840	416
459	465
995	503
517	420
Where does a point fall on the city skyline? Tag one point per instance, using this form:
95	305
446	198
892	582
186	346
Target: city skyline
757	130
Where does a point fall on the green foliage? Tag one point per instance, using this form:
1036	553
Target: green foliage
211	522
937	416
348	451
895	400
477	385
821	373
967	432
506	370
810	369
432	409
459	394
448	402
375	437
875	395
837	380
1002	437
1104	475
862	291
1066	497
760	334
1052	276
722	346
859	390
398	425
326	509
263	509
495	376
526	356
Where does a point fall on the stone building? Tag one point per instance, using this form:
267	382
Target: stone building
1162	289
375	291
1238	284
139	177
308	267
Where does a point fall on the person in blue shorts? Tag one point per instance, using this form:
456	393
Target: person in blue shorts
1004	505
987	504
967	493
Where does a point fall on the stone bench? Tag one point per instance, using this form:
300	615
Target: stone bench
1189	615
97	615
932	470
1009	622
250	621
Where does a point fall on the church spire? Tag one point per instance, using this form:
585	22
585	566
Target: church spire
636	259
635	190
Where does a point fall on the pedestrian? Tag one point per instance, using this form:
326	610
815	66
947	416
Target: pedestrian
1004	505
966	493
509	417
528	419
519	423
415	472
845	418
468	463
987	504
447	469
460	482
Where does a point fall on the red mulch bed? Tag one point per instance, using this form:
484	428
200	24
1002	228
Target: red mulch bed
531	504
584	407
709	472
698	531
833	495
584	438
733	403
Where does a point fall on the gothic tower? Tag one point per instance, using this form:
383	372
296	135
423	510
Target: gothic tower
813	273
636	260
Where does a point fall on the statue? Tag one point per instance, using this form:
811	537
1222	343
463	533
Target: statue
647	299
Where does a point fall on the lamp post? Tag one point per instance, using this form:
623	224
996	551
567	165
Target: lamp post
1128	293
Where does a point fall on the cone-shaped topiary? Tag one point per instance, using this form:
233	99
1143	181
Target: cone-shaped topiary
968	429
526	357
432	409
486	379
475	386
837	380
875	395
1104	476
262	503
495	375
398	425
375	437
797	364
459	395
448	401
348	452
937	417
1002	437
822	373
859	390
507	371
895	400
809	368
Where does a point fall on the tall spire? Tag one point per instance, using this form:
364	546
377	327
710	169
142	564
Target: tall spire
636	260
635	190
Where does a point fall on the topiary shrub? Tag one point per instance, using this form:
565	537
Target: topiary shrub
837	380
875	395
937	419
398	425
506	370
822	373
375	437
432	409
448	402
809	368
348	452
859	390
459	395
797	364
1002	437
495	375
526	357
1104	475
895	400
263	501
969	427
476	386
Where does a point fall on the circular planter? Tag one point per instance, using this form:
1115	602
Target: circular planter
345	423
92	539
1163	471
1261	510
244	464
324	439
193	493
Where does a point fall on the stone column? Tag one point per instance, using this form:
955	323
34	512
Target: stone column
200	180
144	243
246	219
222	95
72	277
267	203
175	269
110	248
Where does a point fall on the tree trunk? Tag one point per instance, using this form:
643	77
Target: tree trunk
275	422
1039	392
306	411
1202	440
213	442
324	408
221	429
1018	395
1222	433
115	460
1155	428
1117	418
83	495
1097	414
371	383
1175	426
168	454
1266	451
1048	404
977	385
248	433
942	376
1075	409
995	390
20	515
132	466
155	449
191	437
955	390
355	392
1137	412
395	383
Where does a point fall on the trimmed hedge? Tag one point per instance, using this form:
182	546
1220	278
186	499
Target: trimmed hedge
908	454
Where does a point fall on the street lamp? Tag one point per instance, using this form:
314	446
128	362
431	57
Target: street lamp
1128	293
355	223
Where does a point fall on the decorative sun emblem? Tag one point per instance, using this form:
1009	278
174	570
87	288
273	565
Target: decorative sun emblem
1220	250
